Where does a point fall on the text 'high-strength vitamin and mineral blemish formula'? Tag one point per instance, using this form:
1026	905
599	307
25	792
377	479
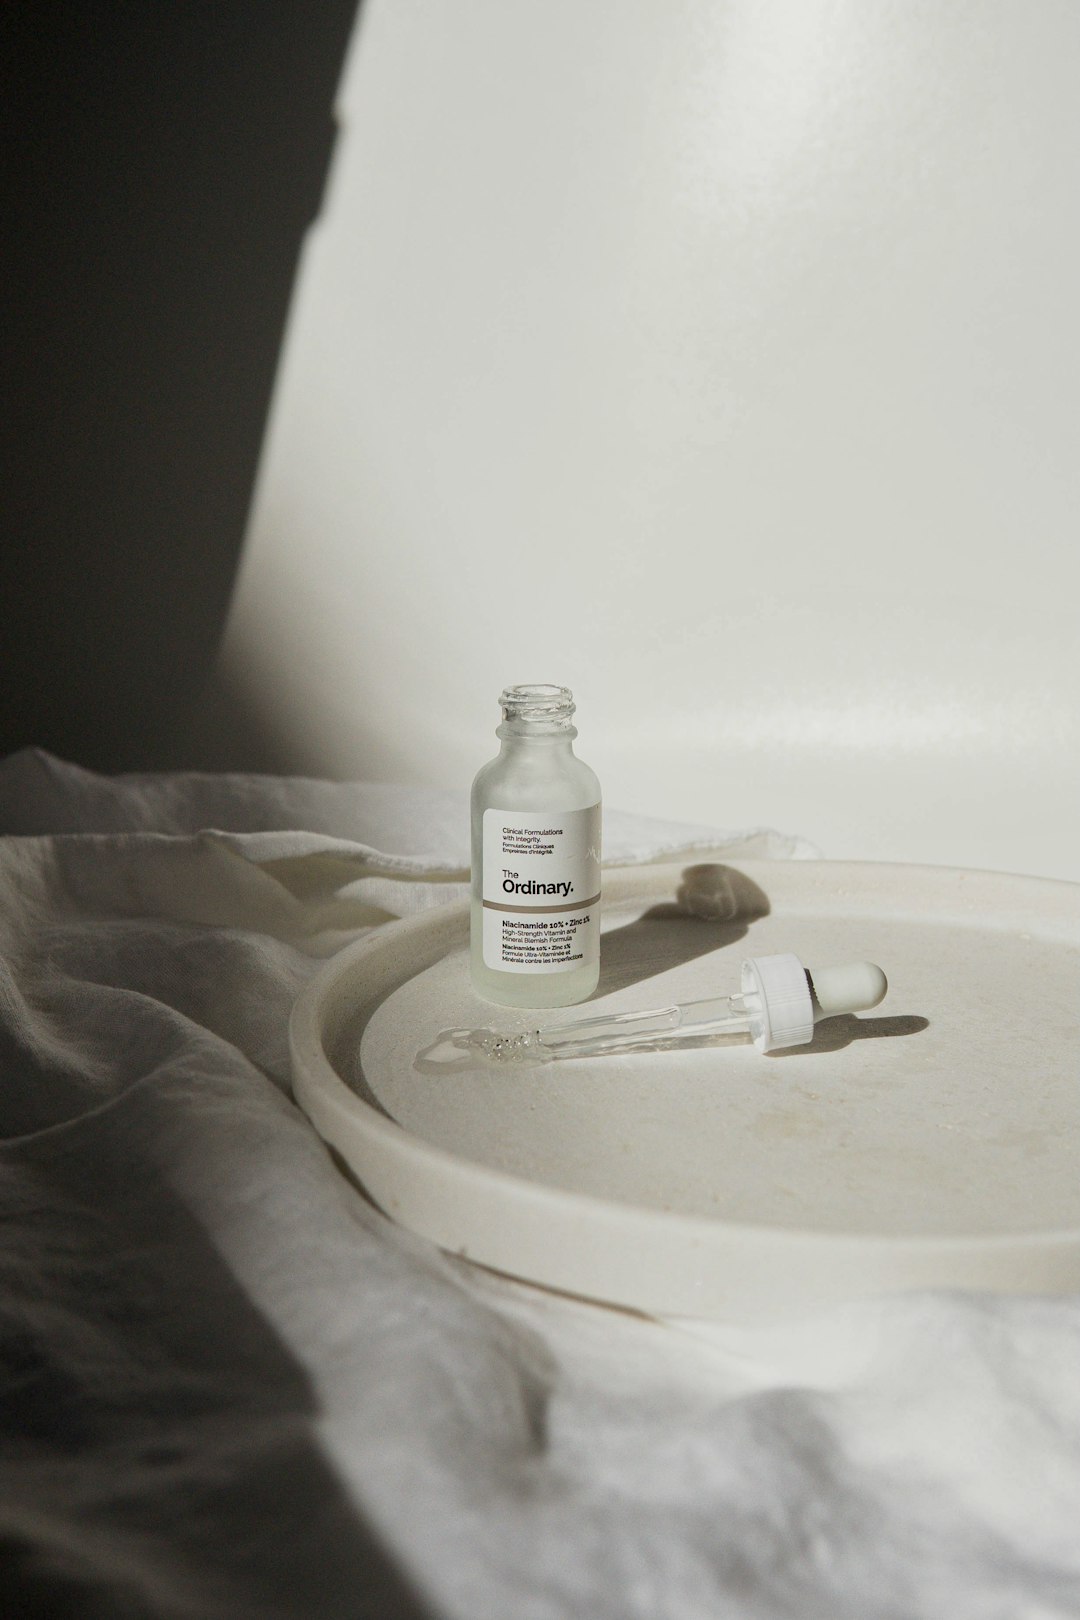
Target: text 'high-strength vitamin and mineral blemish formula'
536	827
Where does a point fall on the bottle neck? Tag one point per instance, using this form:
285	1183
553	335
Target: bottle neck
517	739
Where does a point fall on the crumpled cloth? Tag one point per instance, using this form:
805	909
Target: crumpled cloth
231	1388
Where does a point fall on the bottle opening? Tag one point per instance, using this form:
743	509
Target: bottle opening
536	708
537	702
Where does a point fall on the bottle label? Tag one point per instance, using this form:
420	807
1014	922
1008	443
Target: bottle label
541	889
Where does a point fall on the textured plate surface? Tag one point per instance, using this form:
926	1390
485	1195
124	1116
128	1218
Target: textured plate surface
932	1142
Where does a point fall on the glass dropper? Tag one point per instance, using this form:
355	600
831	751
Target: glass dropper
778	1005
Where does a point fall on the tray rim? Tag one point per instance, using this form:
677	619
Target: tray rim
454	1202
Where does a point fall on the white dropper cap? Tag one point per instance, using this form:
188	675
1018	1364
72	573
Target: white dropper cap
785	1000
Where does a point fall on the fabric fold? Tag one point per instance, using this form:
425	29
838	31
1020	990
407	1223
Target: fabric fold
229	1386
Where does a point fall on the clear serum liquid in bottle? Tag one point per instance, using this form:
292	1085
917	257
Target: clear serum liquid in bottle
535	937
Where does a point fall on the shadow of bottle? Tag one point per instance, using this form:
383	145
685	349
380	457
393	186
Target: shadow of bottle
711	906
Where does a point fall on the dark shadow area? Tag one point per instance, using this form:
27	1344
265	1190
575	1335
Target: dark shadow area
713	906
159	1454
162	166
229	729
832	1034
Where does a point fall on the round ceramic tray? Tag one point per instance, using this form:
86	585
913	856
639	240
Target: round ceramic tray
933	1143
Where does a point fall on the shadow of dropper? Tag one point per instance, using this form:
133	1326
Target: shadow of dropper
833	1034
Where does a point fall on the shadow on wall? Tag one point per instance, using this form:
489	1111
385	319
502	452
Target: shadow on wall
225	727
169	161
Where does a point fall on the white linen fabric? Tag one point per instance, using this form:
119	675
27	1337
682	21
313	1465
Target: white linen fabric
229	1387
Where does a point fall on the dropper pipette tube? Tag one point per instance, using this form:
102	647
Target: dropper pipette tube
779	1005
614	1032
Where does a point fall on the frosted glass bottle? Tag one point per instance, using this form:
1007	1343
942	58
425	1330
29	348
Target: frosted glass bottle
536	858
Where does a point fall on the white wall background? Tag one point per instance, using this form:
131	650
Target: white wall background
720	359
